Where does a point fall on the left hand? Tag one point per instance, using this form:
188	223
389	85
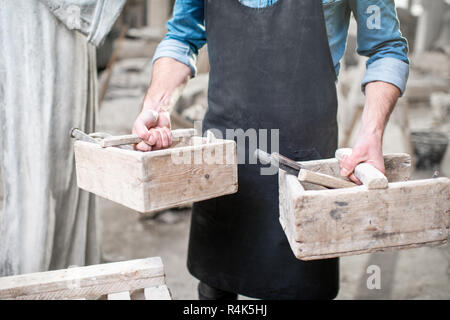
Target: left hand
368	148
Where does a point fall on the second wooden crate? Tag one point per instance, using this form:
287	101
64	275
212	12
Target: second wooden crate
326	223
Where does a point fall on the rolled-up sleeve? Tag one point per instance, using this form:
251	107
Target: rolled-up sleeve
379	38
186	34
179	51
391	70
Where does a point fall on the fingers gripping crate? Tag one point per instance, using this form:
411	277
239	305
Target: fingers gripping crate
194	168
326	223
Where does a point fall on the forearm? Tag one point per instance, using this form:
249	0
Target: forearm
168	75
381	98
173	65
153	123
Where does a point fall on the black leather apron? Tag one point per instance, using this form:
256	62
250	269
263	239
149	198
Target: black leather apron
270	68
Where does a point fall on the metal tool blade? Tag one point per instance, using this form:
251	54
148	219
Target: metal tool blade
278	161
80	135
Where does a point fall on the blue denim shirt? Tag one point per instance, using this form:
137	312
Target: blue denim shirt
378	38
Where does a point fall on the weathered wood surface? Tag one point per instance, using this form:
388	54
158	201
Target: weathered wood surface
85	282
192	170
330	223
371	177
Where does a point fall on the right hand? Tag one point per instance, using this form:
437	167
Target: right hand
155	133
168	74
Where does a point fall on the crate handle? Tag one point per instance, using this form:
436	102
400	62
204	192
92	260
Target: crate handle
370	176
114	141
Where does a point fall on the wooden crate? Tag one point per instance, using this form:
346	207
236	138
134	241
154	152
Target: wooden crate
141	279
193	169
338	222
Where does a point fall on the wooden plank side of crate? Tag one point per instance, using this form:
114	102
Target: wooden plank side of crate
398	168
90	281
356	219
300	254
289	188
196	173
112	173
152	181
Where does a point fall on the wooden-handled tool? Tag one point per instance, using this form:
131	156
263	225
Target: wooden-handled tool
113	141
292	167
371	177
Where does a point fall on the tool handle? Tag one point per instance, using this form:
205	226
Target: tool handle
370	176
323	180
303	175
314	177
114	141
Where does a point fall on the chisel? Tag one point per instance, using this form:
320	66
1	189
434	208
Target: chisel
294	168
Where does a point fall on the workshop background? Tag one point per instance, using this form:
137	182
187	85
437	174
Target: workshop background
420	123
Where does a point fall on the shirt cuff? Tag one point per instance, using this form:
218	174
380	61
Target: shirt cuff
179	51
390	70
